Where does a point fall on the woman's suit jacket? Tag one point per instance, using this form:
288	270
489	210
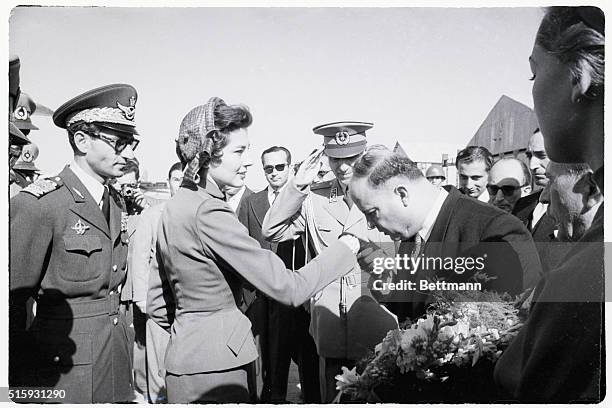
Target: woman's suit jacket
205	253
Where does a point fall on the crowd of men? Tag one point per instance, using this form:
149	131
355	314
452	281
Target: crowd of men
85	283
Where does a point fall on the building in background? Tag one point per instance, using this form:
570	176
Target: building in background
506	129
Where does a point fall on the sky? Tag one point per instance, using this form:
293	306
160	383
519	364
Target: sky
426	77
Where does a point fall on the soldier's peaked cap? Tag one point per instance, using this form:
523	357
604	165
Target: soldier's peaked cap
343	139
112	106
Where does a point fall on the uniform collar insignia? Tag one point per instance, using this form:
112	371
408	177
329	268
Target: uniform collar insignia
124	221
128	111
333	195
78	192
80	227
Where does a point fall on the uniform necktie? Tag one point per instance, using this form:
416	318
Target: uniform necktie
106	204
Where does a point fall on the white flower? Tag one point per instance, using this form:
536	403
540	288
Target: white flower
347	378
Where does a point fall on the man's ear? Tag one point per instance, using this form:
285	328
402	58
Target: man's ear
81	141
591	194
581	86
402	191
525	191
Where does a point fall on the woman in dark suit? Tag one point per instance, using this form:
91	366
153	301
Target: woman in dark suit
206	254
558	353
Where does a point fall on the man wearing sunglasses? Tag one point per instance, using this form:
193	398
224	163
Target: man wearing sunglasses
509	180
68	250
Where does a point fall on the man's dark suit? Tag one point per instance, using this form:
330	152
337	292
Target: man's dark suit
466	227
542	231
283	330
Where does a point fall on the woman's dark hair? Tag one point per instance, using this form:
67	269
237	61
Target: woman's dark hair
227	119
575	36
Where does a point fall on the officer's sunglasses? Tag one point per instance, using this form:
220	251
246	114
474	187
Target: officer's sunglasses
278	167
506	190
119	144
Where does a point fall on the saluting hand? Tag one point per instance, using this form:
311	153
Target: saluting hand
307	173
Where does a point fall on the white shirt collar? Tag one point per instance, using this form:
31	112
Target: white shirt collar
538	213
432	215
271	193
95	188
484	197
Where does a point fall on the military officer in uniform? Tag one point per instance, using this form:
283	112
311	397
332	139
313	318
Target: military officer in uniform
68	248
25	171
16	138
346	322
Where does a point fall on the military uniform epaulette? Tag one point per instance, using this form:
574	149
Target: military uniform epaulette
320	186
43	186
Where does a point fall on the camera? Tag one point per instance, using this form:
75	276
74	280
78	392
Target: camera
128	192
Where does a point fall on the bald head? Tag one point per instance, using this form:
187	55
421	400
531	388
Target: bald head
509	180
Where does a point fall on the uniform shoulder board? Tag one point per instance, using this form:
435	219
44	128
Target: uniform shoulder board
43	186
321	186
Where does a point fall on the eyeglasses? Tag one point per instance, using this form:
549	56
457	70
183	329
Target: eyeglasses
278	167
506	190
119	144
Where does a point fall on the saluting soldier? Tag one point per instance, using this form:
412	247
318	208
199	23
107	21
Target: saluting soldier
344	324
68	249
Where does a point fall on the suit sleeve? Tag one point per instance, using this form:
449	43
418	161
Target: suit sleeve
558	355
512	255
142	248
243	211
227	241
161	306
285	219
30	239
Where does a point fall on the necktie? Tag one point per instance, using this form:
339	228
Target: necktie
106	204
275	196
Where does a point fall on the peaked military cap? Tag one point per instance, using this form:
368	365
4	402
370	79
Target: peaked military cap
111	106
343	139
25	108
14	66
26	161
16	136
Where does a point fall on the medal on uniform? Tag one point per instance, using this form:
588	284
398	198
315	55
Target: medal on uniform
124	221
80	227
333	195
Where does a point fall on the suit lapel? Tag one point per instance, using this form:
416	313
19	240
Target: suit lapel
84	205
115	217
438	231
356	221
260	205
338	208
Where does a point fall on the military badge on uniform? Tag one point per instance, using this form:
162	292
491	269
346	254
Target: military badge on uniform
124	221
80	227
342	137
333	195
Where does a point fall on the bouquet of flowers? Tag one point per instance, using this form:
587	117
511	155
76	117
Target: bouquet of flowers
458	330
